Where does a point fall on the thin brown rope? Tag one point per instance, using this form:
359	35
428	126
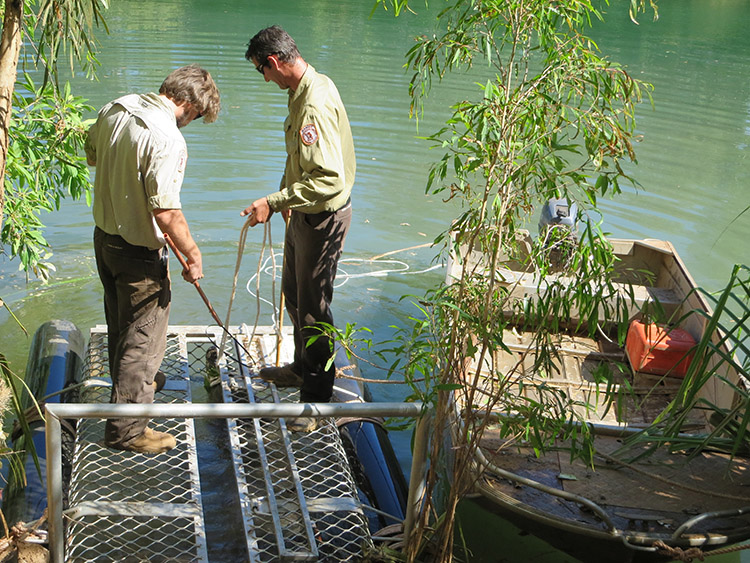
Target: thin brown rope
679	554
693	553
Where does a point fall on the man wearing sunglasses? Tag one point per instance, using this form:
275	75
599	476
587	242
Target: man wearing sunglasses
140	158
314	199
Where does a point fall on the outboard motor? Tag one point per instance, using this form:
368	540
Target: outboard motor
558	234
558	213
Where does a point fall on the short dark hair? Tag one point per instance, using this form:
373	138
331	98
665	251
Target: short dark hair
272	41
194	85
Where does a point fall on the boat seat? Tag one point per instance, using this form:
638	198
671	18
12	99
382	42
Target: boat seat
523	286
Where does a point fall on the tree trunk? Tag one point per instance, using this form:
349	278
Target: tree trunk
10	47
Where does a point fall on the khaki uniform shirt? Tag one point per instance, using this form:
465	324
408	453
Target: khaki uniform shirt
140	158
320	164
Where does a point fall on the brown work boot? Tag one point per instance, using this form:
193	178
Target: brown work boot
149	442
159	381
302	424
283	376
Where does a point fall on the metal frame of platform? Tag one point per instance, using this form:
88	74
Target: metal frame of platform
297	496
302	490
123	505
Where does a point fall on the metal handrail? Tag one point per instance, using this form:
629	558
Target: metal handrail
717	514
58	411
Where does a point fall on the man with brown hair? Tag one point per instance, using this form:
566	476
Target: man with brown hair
140	157
315	197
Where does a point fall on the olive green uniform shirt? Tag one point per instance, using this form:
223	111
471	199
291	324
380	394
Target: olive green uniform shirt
140	158
320	164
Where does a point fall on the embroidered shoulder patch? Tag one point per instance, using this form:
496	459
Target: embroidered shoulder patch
309	134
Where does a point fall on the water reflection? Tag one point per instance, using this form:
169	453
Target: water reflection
692	159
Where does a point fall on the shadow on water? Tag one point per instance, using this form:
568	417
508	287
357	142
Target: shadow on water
489	537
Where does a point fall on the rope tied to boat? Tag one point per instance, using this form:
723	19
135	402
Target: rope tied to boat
679	554
25	542
693	553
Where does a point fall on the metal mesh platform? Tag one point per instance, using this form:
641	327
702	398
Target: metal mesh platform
124	506
297	496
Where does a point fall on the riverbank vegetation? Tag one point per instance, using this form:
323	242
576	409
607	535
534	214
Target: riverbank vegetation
551	118
42	132
41	140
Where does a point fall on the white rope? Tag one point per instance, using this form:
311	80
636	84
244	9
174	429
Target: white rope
342	276
240	251
263	268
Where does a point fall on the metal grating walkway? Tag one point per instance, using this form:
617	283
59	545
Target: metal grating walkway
297	496
132	507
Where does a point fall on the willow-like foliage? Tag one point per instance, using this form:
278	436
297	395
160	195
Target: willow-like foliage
66	28
551	117
32	179
40	144
44	167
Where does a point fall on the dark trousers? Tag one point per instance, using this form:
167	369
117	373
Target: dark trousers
136	305
312	249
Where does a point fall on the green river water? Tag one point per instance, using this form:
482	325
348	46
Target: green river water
693	166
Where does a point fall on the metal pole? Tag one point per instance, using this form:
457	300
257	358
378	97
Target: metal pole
237	410
184	265
417	475
57	411
53	447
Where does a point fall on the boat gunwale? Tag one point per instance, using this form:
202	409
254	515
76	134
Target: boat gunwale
671	264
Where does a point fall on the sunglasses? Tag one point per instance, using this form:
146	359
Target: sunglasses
261	66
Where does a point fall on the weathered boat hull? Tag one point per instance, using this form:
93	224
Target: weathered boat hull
587	549
640	508
619	511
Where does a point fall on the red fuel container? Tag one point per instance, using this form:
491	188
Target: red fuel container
657	350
